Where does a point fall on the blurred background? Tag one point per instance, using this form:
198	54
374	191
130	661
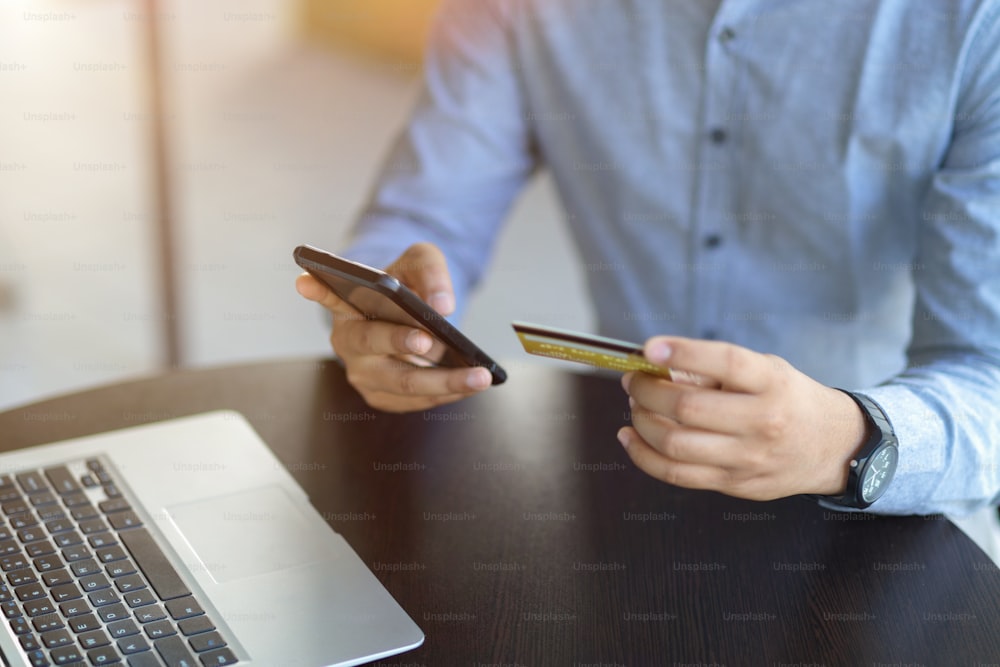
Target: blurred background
273	116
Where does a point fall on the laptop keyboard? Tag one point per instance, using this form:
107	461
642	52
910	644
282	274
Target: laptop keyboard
85	583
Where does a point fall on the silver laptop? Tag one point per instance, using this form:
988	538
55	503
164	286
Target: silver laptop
182	543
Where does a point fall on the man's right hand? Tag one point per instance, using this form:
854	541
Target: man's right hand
386	362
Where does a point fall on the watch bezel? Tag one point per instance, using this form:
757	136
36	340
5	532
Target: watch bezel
879	436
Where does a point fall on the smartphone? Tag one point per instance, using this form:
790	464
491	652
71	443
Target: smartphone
378	296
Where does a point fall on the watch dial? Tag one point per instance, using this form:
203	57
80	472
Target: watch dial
878	473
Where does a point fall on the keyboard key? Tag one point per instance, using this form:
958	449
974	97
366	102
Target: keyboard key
61	480
67	539
32	482
102	540
120	569
196	625
8	547
113	612
29	642
174	652
102	598
65	592
58	525
57	577
74	608
206	642
10	608
123	628
36	658
20	625
82	568
222	656
130	582
158	629
123	520
84	623
5	593
94	582
92	526
130	645
32	534
50	512
29	592
111	554
111	491
66	655
21	577
24	520
42	548
93	639
76	552
150	559
14	507
39	499
48	563
114	505
48	622
84	512
16	562
57	638
153	612
147	659
75	500
140	598
106	655
39	607
182	608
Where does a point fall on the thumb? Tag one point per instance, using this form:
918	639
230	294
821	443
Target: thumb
424	269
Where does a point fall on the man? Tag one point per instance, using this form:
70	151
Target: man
804	195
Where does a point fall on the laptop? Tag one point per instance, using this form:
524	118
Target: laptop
183	543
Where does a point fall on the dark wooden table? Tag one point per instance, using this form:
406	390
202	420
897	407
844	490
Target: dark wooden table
515	531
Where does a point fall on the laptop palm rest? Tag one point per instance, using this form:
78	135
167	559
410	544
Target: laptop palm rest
248	533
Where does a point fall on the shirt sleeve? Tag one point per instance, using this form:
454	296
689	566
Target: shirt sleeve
452	174
945	407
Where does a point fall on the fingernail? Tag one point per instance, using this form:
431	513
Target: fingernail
418	341
478	379
631	402
623	438
626	381
443	302
658	352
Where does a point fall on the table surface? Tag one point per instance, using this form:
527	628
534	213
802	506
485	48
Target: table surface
515	531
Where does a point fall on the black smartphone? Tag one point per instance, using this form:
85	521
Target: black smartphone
378	296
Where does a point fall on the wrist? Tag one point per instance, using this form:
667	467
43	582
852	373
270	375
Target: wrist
848	432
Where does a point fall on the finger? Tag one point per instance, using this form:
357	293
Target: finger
362	338
736	368
706	409
686	445
395	403
388	375
665	469
316	290
424	269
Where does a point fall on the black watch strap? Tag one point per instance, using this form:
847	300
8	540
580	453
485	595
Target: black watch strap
879	432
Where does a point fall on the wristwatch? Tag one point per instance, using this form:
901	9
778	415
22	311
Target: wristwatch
873	466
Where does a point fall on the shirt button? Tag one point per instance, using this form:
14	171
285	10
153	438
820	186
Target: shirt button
718	135
727	35
713	241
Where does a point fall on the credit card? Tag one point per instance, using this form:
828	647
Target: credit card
615	355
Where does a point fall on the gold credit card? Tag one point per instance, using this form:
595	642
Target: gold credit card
615	355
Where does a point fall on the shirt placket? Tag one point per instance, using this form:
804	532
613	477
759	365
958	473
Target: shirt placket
714	234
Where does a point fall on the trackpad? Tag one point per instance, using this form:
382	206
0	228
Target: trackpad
248	533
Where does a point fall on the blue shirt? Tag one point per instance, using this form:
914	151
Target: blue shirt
818	180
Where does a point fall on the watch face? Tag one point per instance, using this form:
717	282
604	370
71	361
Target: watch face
878	473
